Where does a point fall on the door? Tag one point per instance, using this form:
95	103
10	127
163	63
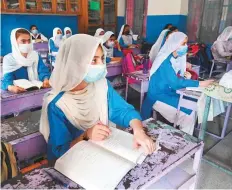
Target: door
101	14
138	17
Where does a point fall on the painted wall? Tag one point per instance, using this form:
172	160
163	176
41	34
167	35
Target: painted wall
161	12
45	23
121	14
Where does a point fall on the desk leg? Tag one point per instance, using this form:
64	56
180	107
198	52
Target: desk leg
178	110
127	81
205	118
226	121
141	95
196	164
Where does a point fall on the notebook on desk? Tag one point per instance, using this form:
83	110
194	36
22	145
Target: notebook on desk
101	165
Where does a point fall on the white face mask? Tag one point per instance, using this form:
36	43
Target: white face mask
110	44
25	48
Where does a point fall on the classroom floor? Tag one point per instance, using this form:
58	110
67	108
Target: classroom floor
216	150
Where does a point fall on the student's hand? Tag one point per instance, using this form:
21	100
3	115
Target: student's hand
140	137
46	84
187	75
98	132
188	65
205	83
16	89
116	59
38	40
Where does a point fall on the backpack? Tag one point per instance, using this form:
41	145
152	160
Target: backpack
8	162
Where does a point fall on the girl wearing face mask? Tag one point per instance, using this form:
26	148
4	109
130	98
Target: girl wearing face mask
67	33
222	47
36	36
125	37
55	43
23	62
82	102
164	82
112	47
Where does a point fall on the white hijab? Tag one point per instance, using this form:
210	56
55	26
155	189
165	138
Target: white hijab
109	51
172	44
98	31
65	30
121	31
82	108
226	34
156	47
54	34
31	61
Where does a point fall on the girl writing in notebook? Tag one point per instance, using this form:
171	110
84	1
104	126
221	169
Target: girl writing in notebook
82	101
23	62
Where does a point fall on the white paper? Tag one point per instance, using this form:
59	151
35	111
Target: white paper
198	89
93	167
23	83
121	143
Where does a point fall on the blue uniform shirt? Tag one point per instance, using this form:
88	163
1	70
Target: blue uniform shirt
62	132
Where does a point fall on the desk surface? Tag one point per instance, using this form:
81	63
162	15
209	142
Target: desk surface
176	146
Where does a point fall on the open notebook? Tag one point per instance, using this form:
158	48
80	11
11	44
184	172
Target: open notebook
28	85
101	165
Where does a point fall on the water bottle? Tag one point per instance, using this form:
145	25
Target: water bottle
146	60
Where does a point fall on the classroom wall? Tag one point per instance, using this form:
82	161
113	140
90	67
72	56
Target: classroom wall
121	14
45	23
161	12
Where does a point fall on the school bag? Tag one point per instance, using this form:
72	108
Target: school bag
9	167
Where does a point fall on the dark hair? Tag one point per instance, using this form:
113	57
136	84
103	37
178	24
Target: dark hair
32	26
173	28
21	31
113	35
167	25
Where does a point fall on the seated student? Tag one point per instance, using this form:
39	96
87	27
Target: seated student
164	83
36	36
54	44
23	62
67	33
222	47
112	47
82	100
99	32
125	37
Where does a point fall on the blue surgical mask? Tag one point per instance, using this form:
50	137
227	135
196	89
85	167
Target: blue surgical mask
95	73
34	31
68	35
110	44
182	50
59	36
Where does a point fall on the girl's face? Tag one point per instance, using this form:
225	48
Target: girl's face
101	33
184	43
98	58
68	32
59	32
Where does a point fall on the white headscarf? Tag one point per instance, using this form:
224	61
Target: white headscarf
98	31
82	108
31	61
54	34
172	44
226	34
65	30
121	31
109	51
156	47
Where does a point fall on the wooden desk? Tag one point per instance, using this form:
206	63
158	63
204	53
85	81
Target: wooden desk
176	147
15	103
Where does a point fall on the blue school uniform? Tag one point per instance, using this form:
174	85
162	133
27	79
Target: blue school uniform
62	132
123	45
21	73
162	87
116	53
52	48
